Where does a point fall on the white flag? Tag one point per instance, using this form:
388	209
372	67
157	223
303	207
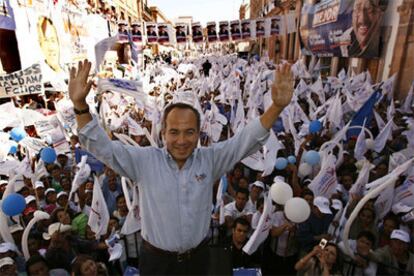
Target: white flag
379	120
99	215
132	222
324	184
363	176
405	192
360	146
262	231
383	136
383	203
219	199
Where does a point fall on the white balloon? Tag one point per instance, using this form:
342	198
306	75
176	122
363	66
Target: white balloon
304	170
297	210
370	143
281	192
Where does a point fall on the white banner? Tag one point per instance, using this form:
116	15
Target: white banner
23	82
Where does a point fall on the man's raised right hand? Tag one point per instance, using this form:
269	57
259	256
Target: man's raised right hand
79	86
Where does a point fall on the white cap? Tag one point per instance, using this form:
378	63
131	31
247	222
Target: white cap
400	208
6	261
401	235
54	227
39	184
29	199
49	190
62	194
278	178
7	246
337	204
259	184
3	182
323	204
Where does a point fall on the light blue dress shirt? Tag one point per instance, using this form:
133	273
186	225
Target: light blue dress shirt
175	205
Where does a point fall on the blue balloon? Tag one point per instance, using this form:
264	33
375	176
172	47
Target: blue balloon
292	159
315	126
13	147
312	157
13	204
278	126
281	163
17	134
48	155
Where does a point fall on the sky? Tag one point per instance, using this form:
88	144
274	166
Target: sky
201	10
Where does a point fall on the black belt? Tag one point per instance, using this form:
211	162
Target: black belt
187	255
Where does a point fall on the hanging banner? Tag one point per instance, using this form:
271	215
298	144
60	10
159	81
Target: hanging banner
136	32
246	29
163	33
235	30
122	32
197	32
345	28
275	25
260	27
152	35
211	32
23	82
181	32
6	16
224	34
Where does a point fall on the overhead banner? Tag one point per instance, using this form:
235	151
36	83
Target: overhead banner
344	28
211	32
152	35
23	82
224	34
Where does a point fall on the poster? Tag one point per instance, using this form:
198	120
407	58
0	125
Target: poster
260	27
197	32
211	32
235	30
23	82
136	32
181	32
224	34
345	28
163	33
152	35
246	29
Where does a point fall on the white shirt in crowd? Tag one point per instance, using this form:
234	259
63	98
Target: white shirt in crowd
231	210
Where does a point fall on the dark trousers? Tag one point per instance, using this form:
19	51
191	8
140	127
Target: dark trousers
153	263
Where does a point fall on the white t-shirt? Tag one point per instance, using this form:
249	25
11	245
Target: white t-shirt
255	219
231	210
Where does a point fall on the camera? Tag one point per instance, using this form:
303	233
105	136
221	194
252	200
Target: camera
323	243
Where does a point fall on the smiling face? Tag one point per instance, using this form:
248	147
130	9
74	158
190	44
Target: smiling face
181	134
365	20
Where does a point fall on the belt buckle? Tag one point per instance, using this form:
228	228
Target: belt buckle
184	256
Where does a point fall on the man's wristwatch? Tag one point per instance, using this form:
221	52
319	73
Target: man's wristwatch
82	111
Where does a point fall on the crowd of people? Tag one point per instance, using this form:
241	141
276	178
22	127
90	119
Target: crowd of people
228	93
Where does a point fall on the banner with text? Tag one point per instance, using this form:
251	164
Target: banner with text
23	82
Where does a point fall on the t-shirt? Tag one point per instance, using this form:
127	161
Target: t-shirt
231	210
278	219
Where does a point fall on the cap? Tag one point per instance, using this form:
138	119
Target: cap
50	190
6	261
3	182
39	184
135	23
337	204
62	194
29	199
15	228
54	227
122	22
323	204
7	246
401	235
259	184
401	208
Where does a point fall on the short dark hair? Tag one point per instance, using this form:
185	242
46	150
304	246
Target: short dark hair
241	221
170	107
34	260
243	191
368	235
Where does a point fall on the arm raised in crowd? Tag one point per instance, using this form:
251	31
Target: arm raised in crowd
79	88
